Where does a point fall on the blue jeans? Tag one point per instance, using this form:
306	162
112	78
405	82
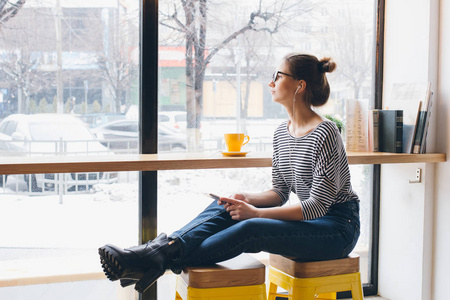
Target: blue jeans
213	236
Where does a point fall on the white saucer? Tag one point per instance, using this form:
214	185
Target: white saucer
234	153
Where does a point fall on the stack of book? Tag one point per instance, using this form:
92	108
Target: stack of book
386	130
403	129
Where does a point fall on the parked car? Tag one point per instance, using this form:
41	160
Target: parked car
123	135
95	119
175	120
118	135
171	140
56	134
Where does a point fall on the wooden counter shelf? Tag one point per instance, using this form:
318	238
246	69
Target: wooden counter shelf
180	161
374	158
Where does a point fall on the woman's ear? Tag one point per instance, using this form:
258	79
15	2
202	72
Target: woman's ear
301	86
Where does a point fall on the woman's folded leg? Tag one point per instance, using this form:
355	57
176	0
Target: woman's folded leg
320	239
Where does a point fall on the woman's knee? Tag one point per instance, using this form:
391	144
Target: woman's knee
252	225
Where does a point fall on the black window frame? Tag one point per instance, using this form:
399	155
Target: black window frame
148	122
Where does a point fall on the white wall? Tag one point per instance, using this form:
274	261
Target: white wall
441	258
406	224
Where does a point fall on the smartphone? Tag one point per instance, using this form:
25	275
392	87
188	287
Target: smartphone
214	196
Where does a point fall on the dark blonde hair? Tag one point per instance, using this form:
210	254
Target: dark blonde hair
312	71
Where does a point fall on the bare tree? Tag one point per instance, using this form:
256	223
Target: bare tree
117	67
193	25
35	41
9	9
352	41
255	62
119	73
23	52
22	70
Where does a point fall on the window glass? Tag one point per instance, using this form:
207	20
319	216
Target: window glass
66	68
8	128
221	82
216	60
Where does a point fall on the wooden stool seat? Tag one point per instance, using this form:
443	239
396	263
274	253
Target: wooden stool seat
242	276
309	269
309	280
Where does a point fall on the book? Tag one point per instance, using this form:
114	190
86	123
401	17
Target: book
407	142
427	124
356	129
419	132
374	116
421	122
391	131
409	132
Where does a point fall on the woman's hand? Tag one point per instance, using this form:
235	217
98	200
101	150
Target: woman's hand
257	200
242	197
240	209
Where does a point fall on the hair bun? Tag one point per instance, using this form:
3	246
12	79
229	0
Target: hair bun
326	65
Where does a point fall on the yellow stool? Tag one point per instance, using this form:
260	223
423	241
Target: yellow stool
240	278
314	280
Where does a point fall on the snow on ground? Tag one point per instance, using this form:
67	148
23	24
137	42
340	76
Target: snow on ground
109	213
79	222
40	227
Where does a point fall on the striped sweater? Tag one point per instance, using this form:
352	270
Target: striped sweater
313	166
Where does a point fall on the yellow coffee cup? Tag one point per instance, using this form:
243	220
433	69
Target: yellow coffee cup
235	141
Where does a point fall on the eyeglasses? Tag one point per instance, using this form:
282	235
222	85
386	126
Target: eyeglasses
275	75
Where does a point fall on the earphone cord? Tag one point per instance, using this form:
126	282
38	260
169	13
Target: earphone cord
293	179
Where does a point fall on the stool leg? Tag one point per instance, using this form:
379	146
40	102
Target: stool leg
357	293
177	296
308	293
272	291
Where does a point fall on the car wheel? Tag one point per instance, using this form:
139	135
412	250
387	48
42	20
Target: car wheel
33	182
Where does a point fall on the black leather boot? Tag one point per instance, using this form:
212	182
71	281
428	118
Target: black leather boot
142	264
124	282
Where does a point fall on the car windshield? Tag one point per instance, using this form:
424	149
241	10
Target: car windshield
68	131
180	118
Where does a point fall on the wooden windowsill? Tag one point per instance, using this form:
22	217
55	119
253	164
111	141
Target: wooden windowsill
180	161
49	270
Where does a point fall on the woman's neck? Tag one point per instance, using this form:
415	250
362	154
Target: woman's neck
302	120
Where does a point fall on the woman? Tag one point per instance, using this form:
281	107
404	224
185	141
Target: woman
309	159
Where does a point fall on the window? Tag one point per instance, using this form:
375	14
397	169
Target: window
223	84
82	61
65	69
